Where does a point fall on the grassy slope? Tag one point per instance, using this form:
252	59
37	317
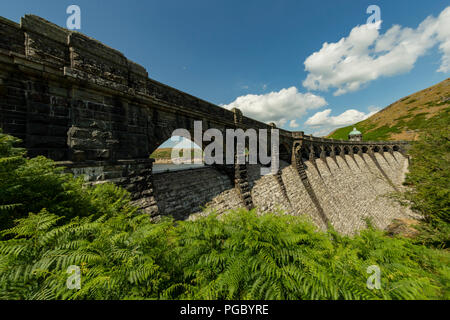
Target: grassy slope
165	153
404	119
162	153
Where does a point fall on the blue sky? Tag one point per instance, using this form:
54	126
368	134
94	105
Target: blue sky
252	54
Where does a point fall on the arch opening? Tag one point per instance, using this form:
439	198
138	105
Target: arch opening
177	153
337	151
284	153
317	151
327	151
346	150
305	152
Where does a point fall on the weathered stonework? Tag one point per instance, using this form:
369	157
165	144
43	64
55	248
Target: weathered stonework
344	192
86	106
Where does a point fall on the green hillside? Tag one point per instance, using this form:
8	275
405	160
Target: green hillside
166	153
406	118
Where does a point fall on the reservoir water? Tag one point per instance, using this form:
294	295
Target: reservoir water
163	167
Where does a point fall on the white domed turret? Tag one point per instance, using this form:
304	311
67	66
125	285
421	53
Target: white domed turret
355	135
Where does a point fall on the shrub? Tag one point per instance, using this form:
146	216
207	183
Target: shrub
30	185
239	255
429	172
236	256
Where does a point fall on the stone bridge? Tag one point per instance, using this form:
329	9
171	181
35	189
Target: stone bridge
95	112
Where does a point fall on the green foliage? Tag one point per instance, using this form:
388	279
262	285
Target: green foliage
239	255
166	153
381	133
162	153
275	256
10	158
429	177
434	234
116	256
407	122
30	185
342	133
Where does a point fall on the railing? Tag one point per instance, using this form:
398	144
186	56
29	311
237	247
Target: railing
313	139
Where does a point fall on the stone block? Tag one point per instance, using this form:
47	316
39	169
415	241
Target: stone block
35	141
91	56
12	37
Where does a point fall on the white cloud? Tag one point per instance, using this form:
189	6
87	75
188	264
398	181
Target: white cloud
293	124
347	117
179	143
183	143
323	123
373	109
280	123
365	54
279	107
443	36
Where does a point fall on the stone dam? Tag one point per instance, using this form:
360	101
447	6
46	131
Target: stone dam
98	114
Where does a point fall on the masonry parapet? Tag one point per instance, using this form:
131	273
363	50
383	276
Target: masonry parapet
79	100
98	114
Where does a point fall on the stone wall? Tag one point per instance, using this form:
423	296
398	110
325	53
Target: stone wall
349	190
85	105
181	193
133	175
73	98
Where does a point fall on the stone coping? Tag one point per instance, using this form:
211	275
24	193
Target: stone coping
92	163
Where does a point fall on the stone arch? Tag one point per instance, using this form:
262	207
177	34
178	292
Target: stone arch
184	153
364	149
317	151
376	149
346	150
297	148
284	153
158	134
396	148
327	150
337	150
355	149
305	152
386	149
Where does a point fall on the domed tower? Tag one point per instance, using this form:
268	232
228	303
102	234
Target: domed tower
355	135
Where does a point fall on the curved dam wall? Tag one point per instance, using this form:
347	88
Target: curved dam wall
344	191
98	114
181	193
